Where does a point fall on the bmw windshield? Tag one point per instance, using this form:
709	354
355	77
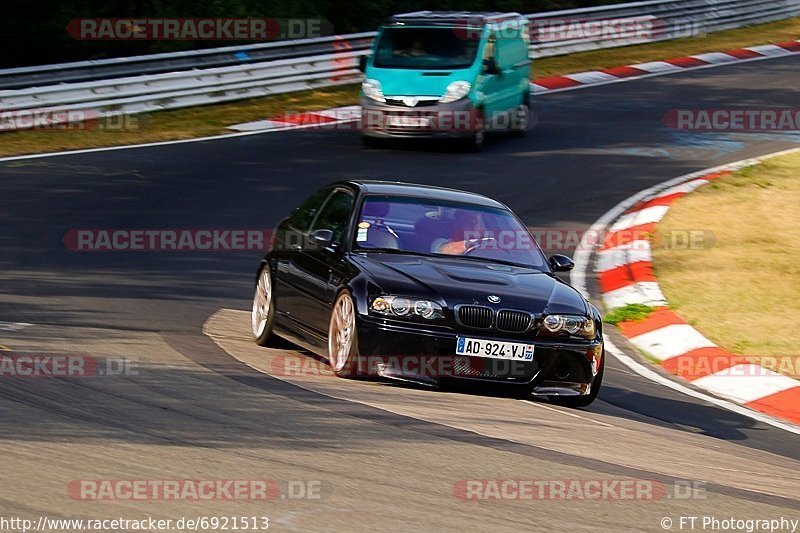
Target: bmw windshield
440	228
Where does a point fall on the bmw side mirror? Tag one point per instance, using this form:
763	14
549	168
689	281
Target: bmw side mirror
561	263
362	63
322	237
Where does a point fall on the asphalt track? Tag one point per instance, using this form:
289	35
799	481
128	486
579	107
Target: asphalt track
204	406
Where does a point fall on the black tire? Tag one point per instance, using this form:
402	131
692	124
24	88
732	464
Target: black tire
474	143
520	120
262	335
349	367
371	142
583	401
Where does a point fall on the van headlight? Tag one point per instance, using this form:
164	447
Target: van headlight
455	91
372	89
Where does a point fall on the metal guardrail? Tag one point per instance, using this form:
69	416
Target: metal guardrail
167	81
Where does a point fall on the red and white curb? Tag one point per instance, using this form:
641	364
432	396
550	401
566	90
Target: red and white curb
659	68
336	115
625	276
341	115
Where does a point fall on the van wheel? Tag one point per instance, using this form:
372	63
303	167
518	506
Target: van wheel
371	142
474	142
520	120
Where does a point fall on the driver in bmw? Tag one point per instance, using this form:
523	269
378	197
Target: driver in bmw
466	234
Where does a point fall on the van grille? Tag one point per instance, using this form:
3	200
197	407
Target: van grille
420	103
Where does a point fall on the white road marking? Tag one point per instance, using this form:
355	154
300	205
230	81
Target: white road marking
715	57
685	188
625	254
657	66
592	76
13	326
572	414
770	50
647	215
642	292
655	377
671	341
758	382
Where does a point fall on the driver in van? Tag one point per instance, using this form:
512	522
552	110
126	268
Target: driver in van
415	50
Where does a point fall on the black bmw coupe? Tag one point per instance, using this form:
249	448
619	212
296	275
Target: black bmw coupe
427	284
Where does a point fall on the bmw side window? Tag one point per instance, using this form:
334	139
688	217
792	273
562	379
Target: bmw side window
303	216
335	215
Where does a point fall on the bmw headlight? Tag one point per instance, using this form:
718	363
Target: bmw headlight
399	306
455	91
575	325
372	89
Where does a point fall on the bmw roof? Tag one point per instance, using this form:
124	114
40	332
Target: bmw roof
423	191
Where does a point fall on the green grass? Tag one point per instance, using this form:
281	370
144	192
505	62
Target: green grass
744	291
630	312
214	119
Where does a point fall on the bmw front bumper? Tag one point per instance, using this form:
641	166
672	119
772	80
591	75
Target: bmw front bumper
427	354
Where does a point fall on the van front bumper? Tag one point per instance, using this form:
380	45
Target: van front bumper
457	119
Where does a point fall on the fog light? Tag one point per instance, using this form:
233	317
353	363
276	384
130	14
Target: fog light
380	305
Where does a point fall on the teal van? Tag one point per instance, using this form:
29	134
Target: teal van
447	74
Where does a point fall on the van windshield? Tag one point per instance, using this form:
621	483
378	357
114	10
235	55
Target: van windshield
425	48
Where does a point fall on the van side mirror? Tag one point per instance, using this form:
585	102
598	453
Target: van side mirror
490	66
362	63
560	263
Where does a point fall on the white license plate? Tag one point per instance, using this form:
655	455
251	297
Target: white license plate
408	122
517	351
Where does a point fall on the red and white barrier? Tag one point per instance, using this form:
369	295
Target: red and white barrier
625	275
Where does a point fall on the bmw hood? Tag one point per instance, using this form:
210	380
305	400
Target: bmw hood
462	281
